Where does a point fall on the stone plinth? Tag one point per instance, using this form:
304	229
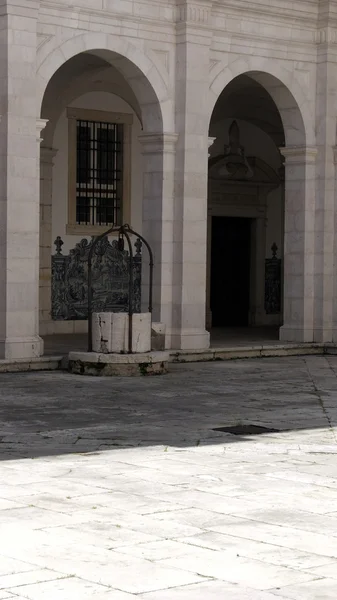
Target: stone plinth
158	332
110	332
111	365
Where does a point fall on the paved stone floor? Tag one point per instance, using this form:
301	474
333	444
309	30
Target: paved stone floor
113	489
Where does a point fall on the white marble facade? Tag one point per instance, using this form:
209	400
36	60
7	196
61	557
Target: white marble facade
183	70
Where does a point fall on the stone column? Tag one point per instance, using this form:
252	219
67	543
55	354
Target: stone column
46	190
19	197
325	317
334	320
211	141
194	36
281	249
299	244
158	223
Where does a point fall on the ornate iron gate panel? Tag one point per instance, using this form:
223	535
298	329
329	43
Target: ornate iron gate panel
110	279
273	277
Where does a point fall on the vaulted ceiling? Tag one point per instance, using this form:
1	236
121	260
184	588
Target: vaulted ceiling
91	68
247	100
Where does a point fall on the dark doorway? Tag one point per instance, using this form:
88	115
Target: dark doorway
230	271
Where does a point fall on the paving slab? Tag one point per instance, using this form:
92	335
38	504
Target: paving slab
126	489
270	553
212	590
29	577
68	589
235	569
319	589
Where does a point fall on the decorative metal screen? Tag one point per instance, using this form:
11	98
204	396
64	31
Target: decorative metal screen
273	278
110	279
99	173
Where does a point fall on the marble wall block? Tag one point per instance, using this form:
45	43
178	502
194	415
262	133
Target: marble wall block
111	332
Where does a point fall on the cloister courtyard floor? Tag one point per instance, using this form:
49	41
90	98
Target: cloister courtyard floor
113	489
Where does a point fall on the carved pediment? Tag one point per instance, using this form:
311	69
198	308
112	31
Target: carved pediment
233	165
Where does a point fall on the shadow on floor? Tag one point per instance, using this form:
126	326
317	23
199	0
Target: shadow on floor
57	413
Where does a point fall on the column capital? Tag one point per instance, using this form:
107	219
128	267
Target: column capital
152	143
47	155
194	11
40	125
299	154
211	141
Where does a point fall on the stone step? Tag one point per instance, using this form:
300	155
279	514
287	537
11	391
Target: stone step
250	351
43	363
53	363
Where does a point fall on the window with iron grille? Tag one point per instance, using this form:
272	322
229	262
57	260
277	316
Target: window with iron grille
99	170
99	173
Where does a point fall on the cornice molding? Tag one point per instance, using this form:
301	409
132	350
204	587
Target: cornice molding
296	13
154	143
20	8
326	35
294	24
299	154
194	12
211	141
40	125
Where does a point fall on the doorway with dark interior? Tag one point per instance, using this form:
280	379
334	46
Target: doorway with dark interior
230	271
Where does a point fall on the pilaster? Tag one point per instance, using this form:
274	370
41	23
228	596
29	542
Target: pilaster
19	198
325	317
158	221
299	244
46	190
194	37
211	141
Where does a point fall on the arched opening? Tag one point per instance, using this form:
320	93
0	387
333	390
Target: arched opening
97	105
254	116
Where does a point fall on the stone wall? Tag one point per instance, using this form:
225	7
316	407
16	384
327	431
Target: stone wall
175	57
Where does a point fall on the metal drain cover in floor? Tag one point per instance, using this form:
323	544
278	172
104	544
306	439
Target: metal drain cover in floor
246	430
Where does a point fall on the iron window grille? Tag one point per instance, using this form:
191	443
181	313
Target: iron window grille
99	173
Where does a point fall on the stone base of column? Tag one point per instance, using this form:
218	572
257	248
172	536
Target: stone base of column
25	347
190	339
209	317
44	328
325	335
296	334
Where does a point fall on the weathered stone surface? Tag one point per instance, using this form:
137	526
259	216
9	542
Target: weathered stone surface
141	332
111	332
284	94
158	335
133	475
92	363
102	333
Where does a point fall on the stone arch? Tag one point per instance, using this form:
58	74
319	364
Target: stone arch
288	94
290	90
80	86
148	83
